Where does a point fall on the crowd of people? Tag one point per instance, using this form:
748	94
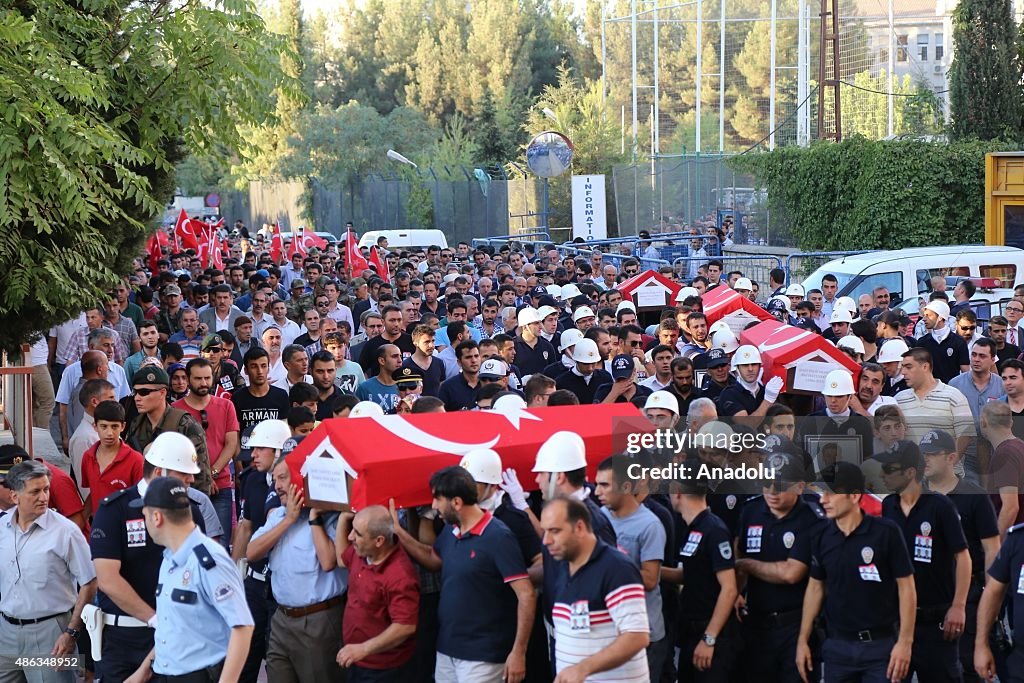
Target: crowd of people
171	543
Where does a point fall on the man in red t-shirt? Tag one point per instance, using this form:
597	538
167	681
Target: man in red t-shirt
220	422
1006	469
110	464
383	596
64	497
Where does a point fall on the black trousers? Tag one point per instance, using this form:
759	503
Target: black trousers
934	659
124	649
769	651
727	649
262	608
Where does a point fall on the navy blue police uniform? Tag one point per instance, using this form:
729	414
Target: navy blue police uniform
258	498
1008	568
735	398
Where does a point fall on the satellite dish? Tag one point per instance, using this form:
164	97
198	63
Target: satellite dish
549	154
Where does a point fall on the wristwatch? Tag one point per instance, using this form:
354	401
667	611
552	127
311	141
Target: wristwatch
73	632
319	521
710	640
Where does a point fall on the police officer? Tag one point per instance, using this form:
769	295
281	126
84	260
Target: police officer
267	440
942	563
717	377
1006	570
862	574
203	626
773	548
127	564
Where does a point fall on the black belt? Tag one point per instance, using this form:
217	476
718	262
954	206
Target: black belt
865	636
28	622
770	619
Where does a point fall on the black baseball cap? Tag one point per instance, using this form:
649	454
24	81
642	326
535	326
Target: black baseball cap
11	455
716	358
166	493
539	290
937	441
903	453
787	468
844	477
622	366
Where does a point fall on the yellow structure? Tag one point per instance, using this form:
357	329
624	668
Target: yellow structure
1004	199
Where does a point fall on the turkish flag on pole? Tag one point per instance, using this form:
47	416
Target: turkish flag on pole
311	239
377	259
185	232
155	253
276	245
296	246
393	456
217	253
354	261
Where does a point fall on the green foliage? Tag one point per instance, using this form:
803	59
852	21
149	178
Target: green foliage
419	206
916	109
861	194
100	100
985	77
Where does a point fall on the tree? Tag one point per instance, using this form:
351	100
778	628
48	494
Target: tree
985	77
100	101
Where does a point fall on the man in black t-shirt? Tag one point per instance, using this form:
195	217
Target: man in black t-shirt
259	401
393	334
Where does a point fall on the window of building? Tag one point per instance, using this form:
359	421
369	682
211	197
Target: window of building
922	47
901	48
940	47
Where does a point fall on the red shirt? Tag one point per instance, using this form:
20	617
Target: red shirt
64	496
124	471
380	595
221	420
1007	469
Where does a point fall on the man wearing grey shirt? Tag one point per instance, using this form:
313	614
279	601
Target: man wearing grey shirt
46	579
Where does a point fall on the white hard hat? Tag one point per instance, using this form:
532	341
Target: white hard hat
569	338
626	303
725	340
795	290
269	434
939	308
846	302
663	400
586	351
483	464
851	342
555	291
840	315
743	283
718	325
892	351
720	433
581	313
746	355
545	311
685	293
838	383
174	451
570	291
509	403
562	452
366	409
528	315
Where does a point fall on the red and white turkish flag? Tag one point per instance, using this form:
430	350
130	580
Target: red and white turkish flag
378	260
354	260
185	232
276	245
393	456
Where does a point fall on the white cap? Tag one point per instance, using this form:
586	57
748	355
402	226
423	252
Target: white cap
939	308
366	409
450	278
851	342
625	303
663	400
581	313
484	465
838	383
545	311
847	303
570	291
795	290
586	351
528	315
840	315
685	293
892	351
725	340
743	283
555	291
493	367
174	451
562	452
569	338
746	355
269	434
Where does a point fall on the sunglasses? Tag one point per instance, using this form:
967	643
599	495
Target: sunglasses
971	328
892	469
213	349
143	391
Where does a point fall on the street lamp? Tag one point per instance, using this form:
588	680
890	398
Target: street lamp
395	156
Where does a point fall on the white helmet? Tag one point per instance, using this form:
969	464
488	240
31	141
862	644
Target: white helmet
527	316
509	403
484	465
662	399
586	351
892	351
840	315
545	311
366	409
846	302
582	312
795	290
173	451
685	293
838	383
625	303
570	291
569	339
719	325
555	291
851	342
725	340
746	355
562	452
743	284
269	434
716	435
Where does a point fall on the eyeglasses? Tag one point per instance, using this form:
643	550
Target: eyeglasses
144	391
1015	309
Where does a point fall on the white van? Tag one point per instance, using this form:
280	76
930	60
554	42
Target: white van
405	239
906	272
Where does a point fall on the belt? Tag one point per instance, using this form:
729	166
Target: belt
296	612
123	621
28	622
865	636
259	576
769	619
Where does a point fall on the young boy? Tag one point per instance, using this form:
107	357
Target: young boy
300	419
110	464
890	428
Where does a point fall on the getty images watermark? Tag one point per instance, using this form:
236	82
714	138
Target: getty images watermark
714	465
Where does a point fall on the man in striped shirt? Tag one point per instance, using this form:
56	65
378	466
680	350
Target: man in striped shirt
599	613
930	404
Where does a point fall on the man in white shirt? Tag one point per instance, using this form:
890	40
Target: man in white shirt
289	329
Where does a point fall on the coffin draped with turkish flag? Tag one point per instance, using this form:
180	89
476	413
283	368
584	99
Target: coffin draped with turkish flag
724	303
801	358
393	456
650	289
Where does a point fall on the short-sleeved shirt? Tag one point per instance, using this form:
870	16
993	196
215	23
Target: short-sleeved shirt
860	572
1008	568
221	420
583	387
728	500
124	471
477	567
705	548
764	537
198	602
380	595
593	607
735	398
64	496
1007	470
384	395
978	521
457	394
251	410
947	356
256	494
642	537
299	580
533	359
933	536
432	375
944	407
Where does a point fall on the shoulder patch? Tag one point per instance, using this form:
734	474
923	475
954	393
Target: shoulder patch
114	496
205	558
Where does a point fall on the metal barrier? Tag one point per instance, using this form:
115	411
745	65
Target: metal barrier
755	266
537	236
16	397
614	259
802	263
